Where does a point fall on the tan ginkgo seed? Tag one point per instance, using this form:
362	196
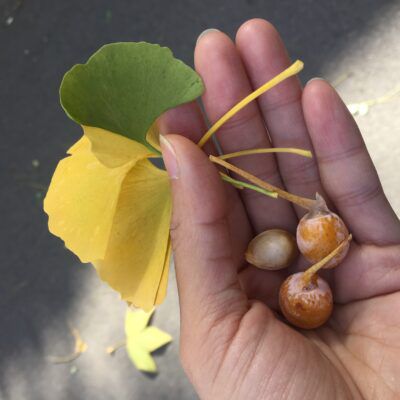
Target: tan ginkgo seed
272	250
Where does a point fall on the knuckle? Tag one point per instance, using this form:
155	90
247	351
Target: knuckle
359	195
347	154
302	174
239	121
282	103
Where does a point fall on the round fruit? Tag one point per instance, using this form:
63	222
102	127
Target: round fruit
273	249
319	232
306	305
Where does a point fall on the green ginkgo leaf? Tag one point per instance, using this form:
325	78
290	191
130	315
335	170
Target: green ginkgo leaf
124	87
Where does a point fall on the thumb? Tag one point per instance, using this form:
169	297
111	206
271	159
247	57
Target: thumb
207	279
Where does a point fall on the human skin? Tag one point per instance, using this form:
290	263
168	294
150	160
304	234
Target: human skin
234	344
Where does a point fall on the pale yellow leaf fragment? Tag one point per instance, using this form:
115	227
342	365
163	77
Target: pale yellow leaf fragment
153	338
363	107
79	348
136	321
142	340
140	357
153	136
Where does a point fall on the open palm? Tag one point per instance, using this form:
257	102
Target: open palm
234	344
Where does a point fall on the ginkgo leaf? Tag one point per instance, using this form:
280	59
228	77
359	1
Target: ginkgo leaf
140	357
136	321
139	239
81	201
114	150
124	87
142	340
162	289
153	338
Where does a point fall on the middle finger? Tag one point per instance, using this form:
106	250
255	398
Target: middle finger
226	82
264	55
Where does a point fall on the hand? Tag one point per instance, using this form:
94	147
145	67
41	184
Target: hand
233	346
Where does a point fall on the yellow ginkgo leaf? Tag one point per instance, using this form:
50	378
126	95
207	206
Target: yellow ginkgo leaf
142	340
114	150
112	207
81	201
141	357
138	245
136	321
153	338
153	136
162	289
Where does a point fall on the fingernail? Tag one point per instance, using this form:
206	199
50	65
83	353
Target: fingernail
169	156
205	33
316	79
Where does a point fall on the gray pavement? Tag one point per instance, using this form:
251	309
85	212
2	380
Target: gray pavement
43	288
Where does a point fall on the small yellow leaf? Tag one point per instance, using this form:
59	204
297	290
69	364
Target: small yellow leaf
141	341
153	338
80	347
140	357
136	321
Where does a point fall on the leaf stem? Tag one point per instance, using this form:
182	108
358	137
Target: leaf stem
240	185
300	152
300	201
310	272
296	67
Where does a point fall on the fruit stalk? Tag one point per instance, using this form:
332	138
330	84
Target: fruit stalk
310	272
300	201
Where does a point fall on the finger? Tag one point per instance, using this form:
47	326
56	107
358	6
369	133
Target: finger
187	120
219	64
209	291
346	170
264	55
367	271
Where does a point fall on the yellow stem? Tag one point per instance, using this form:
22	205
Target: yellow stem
301	201
300	152
308	275
296	67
